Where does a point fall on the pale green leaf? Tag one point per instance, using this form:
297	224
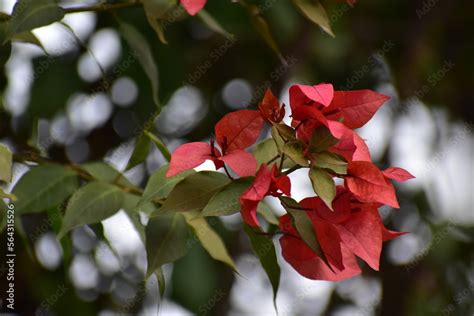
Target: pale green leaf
331	161
210	240
321	140
5	164
295	151
43	187
316	13
266	211
323	185
104	172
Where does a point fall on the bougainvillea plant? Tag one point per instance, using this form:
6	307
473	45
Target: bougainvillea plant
321	235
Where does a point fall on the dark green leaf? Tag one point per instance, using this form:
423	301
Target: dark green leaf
226	201
91	204
29	38
159	144
104	172
315	12
295	150
303	225
138	43
167	240
44	187
140	152
30	14
210	240
5	164
159	186
264	248
212	24
194	192
323	185
321	140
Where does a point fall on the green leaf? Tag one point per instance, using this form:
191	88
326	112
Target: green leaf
331	161
3	215
321	140
261	25
44	187
104	172
130	202
158	9
266	151
303	225
4	195
30	14
323	185
315	12
91	204
159	144
159	186
167	240
264	248
160	276
265	210
194	192
210	240
5	164
295	151
156	26
282	134
226	201
142	50
212	24
29	38
140	152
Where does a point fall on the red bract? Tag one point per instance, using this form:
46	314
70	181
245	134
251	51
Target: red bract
239	130
193	6
266	183
339	111
397	174
234	132
352	229
270	108
370	184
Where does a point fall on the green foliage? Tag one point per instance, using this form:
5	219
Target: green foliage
91	204
323	185
226	200
5	164
315	12
194	192
44	187
30	14
167	240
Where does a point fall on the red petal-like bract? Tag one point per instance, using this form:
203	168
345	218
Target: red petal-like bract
363	236
397	174
241	162
188	156
193	6
303	95
368	183
304	260
239	130
266	183
270	108
355	107
351	145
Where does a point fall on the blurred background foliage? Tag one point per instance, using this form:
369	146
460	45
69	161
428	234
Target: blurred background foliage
417	52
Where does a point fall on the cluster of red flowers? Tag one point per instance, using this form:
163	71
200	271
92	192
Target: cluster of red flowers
344	218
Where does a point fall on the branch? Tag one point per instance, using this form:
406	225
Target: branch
103	7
